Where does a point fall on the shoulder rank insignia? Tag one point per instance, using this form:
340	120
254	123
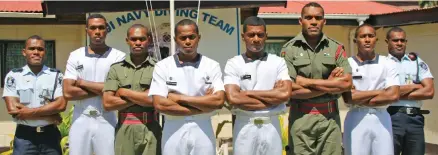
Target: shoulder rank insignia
17	70
413	56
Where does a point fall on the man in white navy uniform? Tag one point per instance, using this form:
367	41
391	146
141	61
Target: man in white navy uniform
367	127
416	85
187	88
33	96
93	128
257	86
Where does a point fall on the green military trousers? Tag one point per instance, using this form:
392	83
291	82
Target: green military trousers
314	134
138	139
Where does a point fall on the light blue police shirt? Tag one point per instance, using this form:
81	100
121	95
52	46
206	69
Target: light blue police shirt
31	89
407	69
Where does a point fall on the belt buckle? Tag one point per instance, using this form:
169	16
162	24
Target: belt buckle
258	121
39	129
93	112
409	111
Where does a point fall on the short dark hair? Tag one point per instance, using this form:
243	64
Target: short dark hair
36	37
185	22
394	29
363	25
148	32
312	4
92	16
253	21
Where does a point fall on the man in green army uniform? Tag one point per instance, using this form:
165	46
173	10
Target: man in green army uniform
319	68
126	89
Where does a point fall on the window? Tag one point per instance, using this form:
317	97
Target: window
11	57
274	44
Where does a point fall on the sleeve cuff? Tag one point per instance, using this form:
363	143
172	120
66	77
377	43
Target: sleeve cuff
111	85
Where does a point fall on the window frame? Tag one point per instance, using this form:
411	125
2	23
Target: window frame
3	56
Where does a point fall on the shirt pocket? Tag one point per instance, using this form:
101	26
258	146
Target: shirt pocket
328	64
26	94
302	66
45	95
125	83
145	82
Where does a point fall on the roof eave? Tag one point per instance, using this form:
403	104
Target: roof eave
24	15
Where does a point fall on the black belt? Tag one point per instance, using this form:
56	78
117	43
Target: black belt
407	110
39	129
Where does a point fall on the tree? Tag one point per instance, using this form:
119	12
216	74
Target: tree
427	4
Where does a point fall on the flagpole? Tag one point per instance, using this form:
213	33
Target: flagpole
172	26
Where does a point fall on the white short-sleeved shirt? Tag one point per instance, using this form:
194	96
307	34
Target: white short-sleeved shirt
377	74
407	70
260	74
191	79
91	67
33	89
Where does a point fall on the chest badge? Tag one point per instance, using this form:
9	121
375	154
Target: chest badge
246	77
170	82
207	80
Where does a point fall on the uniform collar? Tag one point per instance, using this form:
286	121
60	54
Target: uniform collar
193	64
405	57
263	58
374	61
97	55
26	70
149	59
300	37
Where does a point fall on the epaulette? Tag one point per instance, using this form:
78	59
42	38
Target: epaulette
337	42
117	62
289	42
54	70
153	61
17	70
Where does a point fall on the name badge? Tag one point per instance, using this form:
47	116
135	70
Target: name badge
245	77
170	83
25	96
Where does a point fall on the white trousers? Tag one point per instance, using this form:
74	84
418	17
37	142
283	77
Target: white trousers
188	137
257	136
92	135
368	131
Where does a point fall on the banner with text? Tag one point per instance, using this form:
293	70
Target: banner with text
219	29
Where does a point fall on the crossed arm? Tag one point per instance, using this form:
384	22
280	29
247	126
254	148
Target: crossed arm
49	111
306	88
373	97
81	89
258	99
182	105
119	100
422	91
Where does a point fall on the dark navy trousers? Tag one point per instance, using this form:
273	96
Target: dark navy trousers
28	141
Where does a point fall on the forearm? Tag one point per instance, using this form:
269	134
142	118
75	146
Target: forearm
140	98
335	85
111	103
52	108
387	97
169	107
364	97
275	96
405	90
73	93
205	103
299	92
241	101
94	87
419	94
47	117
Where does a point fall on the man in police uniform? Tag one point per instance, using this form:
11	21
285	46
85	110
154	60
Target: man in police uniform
320	69
126	90
187	87
92	128
33	96
258	86
416	85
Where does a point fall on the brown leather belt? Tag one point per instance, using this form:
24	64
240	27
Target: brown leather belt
315	108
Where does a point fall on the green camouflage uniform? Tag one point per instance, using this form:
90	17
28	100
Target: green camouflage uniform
140	138
317	134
